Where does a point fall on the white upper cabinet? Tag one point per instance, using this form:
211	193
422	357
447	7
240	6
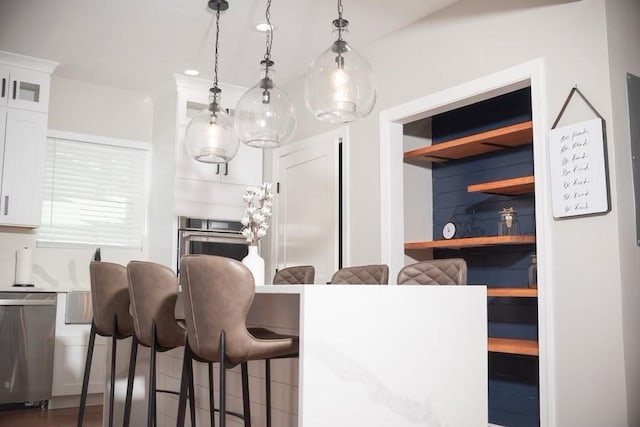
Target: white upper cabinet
190	102
24	102
22	166
24	87
244	169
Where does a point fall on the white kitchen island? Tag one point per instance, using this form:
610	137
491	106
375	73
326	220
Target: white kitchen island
370	355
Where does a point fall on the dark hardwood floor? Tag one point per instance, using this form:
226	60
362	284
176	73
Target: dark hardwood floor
36	417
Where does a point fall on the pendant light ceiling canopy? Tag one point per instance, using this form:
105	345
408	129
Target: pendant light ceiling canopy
210	136
339	86
265	117
216	5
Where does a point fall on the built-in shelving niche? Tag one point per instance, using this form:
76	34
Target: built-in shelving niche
484	164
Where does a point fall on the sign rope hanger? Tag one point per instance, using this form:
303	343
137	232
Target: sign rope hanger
566	104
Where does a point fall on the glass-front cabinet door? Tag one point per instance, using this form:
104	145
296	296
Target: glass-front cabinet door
24	88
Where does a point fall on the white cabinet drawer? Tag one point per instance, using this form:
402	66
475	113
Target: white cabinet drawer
70	353
69	360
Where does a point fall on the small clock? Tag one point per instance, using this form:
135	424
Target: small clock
449	230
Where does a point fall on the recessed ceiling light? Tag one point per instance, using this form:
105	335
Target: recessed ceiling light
263	27
191	72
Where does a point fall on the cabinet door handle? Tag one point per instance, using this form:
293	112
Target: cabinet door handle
6	205
217	169
4	87
15	89
226	169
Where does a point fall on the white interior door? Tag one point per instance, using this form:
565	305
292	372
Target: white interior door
307	208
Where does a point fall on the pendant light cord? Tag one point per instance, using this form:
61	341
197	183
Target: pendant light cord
340	22
269	41
215	68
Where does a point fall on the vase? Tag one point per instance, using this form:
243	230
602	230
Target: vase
255	263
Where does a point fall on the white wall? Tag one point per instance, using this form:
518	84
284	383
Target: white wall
84	108
162	231
623	32
472	39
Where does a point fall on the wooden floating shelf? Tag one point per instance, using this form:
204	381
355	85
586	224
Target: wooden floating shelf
513	346
505	187
472	145
512	292
470	242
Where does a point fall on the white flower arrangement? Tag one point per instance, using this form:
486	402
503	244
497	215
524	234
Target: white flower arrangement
257	212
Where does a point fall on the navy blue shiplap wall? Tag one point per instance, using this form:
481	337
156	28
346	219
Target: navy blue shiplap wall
513	379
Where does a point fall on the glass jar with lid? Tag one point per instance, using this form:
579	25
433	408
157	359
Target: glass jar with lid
508	225
533	272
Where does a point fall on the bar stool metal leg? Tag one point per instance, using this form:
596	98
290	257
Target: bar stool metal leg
182	401
187	390
267	379
151	408
223	385
87	371
246	405
114	340
212	406
130	379
192	394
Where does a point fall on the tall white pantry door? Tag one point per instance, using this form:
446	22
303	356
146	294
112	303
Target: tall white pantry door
307	205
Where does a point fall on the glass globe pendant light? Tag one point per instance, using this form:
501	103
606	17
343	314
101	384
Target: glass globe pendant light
265	116
339	86
210	136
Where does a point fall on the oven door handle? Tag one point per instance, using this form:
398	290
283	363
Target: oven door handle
213	239
187	234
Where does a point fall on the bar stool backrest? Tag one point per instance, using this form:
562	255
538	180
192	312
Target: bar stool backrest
154	291
375	274
448	271
295	275
218	292
109	297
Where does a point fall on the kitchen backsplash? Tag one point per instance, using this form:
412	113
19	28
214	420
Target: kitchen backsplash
54	268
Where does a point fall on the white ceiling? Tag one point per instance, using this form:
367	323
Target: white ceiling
139	44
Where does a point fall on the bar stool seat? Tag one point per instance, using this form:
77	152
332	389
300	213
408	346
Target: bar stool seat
218	294
111	318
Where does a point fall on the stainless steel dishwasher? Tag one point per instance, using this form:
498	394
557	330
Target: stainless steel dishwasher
27	336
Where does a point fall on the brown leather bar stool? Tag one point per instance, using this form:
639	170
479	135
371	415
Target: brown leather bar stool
295	275
448	271
154	289
218	294
374	274
111	318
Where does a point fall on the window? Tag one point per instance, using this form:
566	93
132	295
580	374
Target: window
94	192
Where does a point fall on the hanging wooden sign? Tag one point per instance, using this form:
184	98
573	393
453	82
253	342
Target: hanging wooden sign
579	169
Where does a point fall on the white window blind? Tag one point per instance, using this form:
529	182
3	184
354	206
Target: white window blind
94	194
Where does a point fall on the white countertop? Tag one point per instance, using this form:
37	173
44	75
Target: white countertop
35	289
342	364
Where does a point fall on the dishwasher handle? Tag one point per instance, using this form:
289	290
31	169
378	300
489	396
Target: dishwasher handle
23	302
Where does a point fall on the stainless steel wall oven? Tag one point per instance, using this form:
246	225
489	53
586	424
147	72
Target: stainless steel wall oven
211	237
